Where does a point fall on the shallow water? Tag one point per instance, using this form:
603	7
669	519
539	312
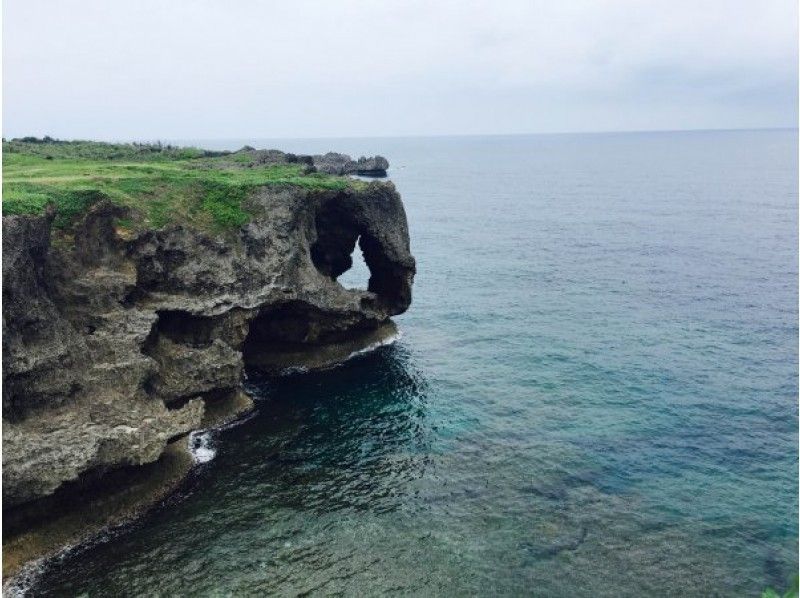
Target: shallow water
594	393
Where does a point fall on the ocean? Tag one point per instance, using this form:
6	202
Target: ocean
594	393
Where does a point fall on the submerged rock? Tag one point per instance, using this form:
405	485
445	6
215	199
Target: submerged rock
115	345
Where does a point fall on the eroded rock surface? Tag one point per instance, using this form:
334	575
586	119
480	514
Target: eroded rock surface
329	163
334	163
114	345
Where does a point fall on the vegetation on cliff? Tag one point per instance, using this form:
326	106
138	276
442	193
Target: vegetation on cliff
162	184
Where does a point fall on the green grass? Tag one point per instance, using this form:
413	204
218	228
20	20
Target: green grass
161	184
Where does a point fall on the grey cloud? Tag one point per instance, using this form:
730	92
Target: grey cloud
202	69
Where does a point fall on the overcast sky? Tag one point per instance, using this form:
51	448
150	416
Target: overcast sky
109	69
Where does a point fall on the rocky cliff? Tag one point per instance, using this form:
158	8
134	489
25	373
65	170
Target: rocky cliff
116	342
333	163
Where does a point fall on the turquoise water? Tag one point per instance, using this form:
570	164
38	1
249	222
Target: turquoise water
595	393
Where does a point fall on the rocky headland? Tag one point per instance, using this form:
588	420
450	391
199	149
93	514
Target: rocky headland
125	329
333	163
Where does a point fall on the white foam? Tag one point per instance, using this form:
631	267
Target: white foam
389	340
201	445
301	369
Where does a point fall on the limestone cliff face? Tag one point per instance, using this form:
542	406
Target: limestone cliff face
115	344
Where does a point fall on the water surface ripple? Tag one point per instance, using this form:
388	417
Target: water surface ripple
594	394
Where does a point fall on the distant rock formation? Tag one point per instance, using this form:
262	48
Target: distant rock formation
333	163
330	163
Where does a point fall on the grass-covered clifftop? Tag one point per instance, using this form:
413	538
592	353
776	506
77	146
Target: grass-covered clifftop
161	184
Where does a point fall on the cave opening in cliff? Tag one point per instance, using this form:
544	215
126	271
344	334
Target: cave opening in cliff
293	332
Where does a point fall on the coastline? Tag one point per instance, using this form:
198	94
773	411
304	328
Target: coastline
122	497
80	522
77	515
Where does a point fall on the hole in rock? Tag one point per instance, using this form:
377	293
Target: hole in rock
335	251
337	233
357	276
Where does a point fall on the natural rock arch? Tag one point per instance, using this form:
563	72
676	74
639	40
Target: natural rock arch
340	226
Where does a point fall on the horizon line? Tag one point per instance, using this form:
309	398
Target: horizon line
412	136
526	134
